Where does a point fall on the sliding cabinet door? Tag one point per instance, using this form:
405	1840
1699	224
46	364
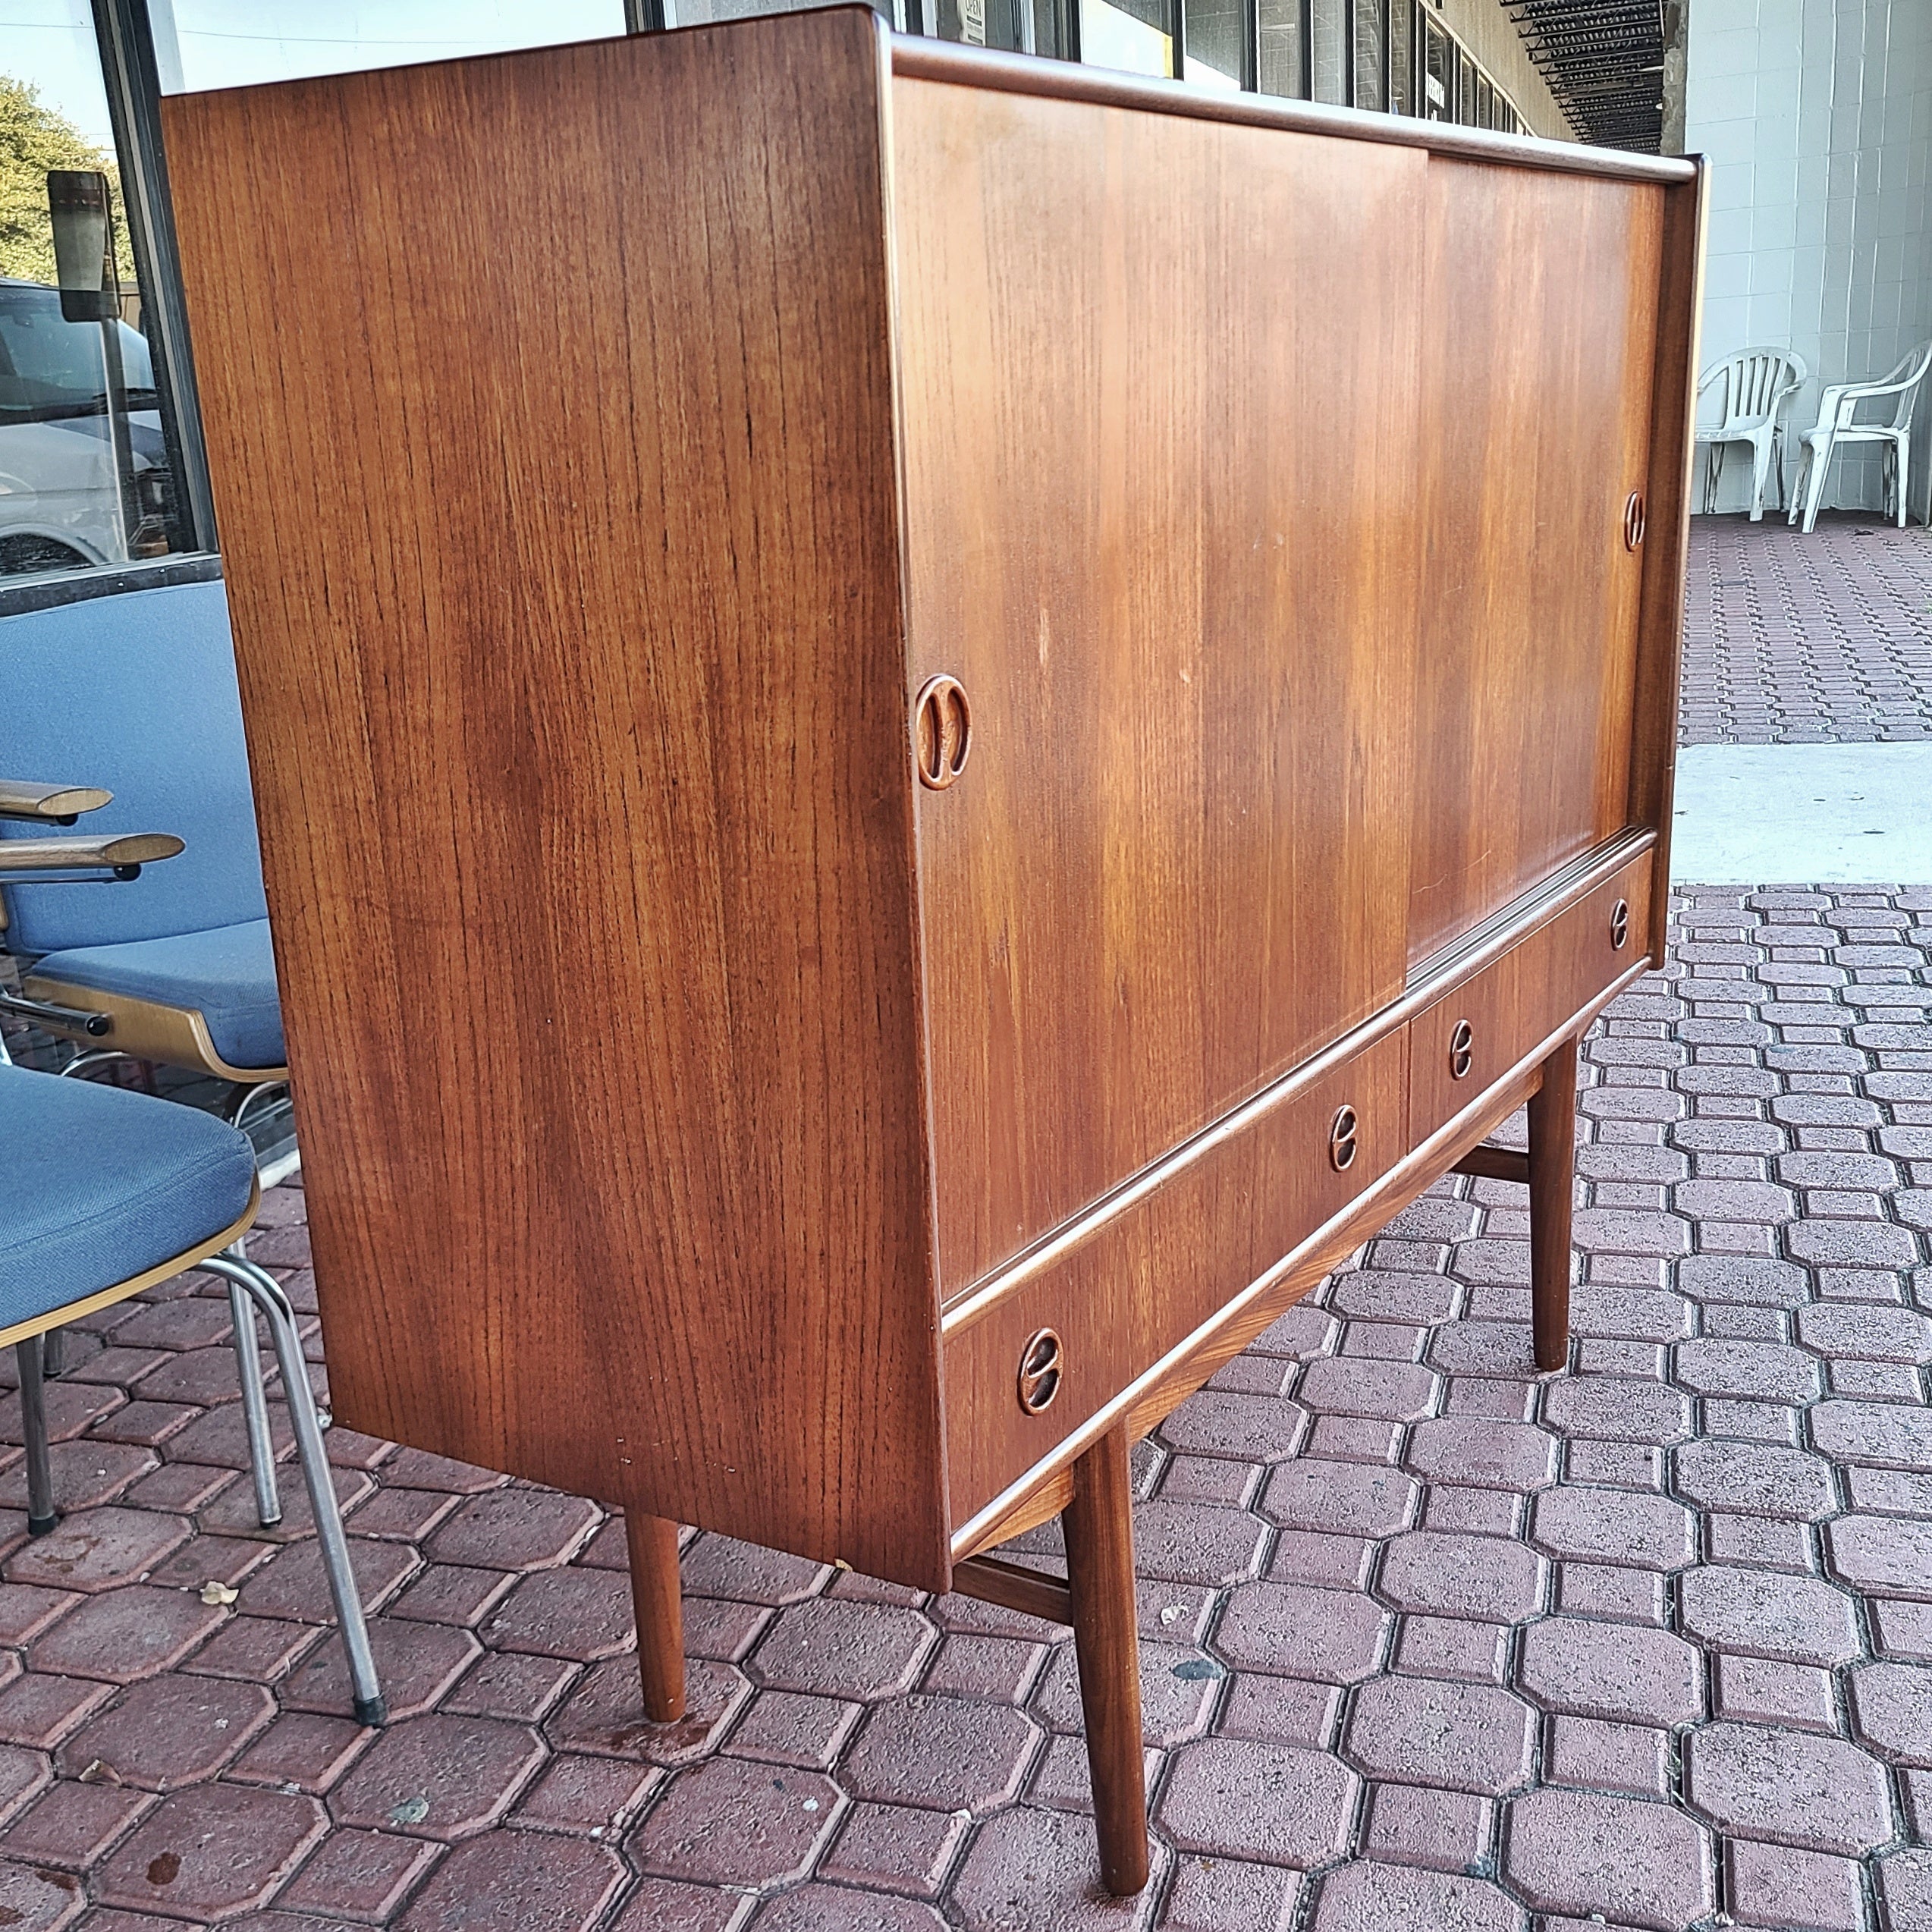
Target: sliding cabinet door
1540	305
1159	396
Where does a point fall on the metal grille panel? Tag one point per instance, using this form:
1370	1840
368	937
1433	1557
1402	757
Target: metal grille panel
1604	62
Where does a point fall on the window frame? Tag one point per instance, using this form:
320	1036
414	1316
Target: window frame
123	41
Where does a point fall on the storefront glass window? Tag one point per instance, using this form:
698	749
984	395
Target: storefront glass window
1213	42
1402	57
1328	26
1372	55
236	43
1132	37
86	478
1284	52
1438	73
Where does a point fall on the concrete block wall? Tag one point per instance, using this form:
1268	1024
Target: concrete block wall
1816	117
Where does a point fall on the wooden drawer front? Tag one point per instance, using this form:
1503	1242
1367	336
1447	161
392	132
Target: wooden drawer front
1150	1276
1469	1038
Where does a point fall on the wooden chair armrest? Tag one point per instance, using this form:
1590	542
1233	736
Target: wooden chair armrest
81	853
56	805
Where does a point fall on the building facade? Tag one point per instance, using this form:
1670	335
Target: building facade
1816	116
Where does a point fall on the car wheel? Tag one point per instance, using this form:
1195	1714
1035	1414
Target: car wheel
19	555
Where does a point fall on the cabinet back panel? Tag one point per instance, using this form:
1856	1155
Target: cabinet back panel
549	404
1159	395
1539	309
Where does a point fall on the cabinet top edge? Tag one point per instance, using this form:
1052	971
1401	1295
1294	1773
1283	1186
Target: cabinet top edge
914	57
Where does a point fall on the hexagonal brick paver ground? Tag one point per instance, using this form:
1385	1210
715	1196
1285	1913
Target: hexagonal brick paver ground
211	1851
1431	1643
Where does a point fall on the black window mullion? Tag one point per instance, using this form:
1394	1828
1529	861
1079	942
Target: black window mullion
133	96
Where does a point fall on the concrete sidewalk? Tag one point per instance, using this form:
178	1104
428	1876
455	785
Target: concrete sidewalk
1836	814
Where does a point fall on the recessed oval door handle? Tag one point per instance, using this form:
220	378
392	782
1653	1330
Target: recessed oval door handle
1619	924
942	731
1633	520
1341	1139
1039	1362
1462	1051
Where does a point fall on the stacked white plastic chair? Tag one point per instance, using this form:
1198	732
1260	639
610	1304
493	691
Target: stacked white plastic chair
1837	426
1756	385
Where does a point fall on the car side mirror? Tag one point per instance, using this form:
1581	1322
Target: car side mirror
82	214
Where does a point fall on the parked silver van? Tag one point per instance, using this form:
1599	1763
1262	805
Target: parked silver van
62	507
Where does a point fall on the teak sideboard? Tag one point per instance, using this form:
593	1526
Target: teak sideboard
928	726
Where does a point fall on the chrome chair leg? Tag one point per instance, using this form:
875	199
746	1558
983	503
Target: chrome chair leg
266	1294
87	1059
53	1353
254	1402
41	1514
247	1098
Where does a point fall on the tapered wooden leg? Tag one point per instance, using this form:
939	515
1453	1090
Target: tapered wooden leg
1099	1526
659	1607
1552	1188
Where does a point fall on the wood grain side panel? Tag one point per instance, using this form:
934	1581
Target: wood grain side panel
1159	384
1149	1280
549	404
1660	621
1540	312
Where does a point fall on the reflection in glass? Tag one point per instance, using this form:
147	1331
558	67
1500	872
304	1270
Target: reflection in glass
1131	37
1328	42
1148	13
1213	42
1372	36
1438	75
1465	90
1402	56
88	477
1283	52
232	43
1004	25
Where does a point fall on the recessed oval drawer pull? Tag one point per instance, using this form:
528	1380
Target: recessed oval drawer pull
942	728
1462	1051
1342	1143
1619	924
1633	520
1039	1371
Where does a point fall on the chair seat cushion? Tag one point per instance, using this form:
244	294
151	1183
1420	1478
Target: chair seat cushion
227	975
98	1185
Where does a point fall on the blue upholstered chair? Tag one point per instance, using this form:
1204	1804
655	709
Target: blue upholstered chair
124	710
135	695
104	1192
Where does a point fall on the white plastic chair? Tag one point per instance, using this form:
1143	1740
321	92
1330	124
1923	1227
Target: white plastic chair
1757	383
1837	409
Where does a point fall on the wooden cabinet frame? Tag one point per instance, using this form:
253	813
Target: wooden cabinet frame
743	1076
